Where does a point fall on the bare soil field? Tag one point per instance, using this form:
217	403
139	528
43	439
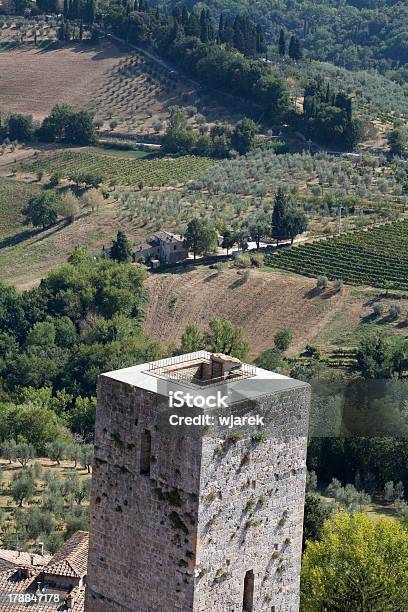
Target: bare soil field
123	87
266	303
33	80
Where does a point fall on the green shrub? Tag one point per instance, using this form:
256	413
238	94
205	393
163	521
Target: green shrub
378	309
322	282
282	339
242	261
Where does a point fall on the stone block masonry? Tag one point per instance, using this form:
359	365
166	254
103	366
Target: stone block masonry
189	523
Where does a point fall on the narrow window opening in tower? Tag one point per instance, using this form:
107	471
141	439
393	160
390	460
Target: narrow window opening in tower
248	601
145	453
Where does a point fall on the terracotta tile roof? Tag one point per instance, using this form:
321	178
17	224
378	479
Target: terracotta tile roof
11	582
78	599
144	247
72	559
168	237
5	565
12	558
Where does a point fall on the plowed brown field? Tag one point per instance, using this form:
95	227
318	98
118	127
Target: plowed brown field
33	80
266	303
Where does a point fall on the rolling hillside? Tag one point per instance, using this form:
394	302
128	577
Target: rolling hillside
178	299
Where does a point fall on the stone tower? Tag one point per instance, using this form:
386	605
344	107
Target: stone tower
197	518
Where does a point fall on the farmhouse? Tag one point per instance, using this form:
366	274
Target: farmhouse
163	246
60	579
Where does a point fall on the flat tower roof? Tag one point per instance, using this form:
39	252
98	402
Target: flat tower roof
169	374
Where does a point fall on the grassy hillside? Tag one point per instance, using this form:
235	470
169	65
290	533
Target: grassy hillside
26	253
32	70
124	89
13	197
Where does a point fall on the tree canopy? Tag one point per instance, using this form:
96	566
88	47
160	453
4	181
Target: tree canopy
41	210
358	564
287	220
83	319
121	249
199	237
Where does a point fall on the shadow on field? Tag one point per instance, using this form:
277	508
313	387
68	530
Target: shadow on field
18	238
41	233
238	283
46	233
208	279
312	293
101	51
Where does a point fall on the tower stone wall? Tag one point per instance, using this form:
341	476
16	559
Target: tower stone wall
206	518
251	513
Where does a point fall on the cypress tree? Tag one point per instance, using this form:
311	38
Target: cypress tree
295	51
203	27
75	9
343	101
210	26
220	37
292	47
282	43
89	12
260	40
121	249
177	14
226	33
239	41
193	26
250	37
278	216
328	94
298	50
184	17
287	221
177	32
67	31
